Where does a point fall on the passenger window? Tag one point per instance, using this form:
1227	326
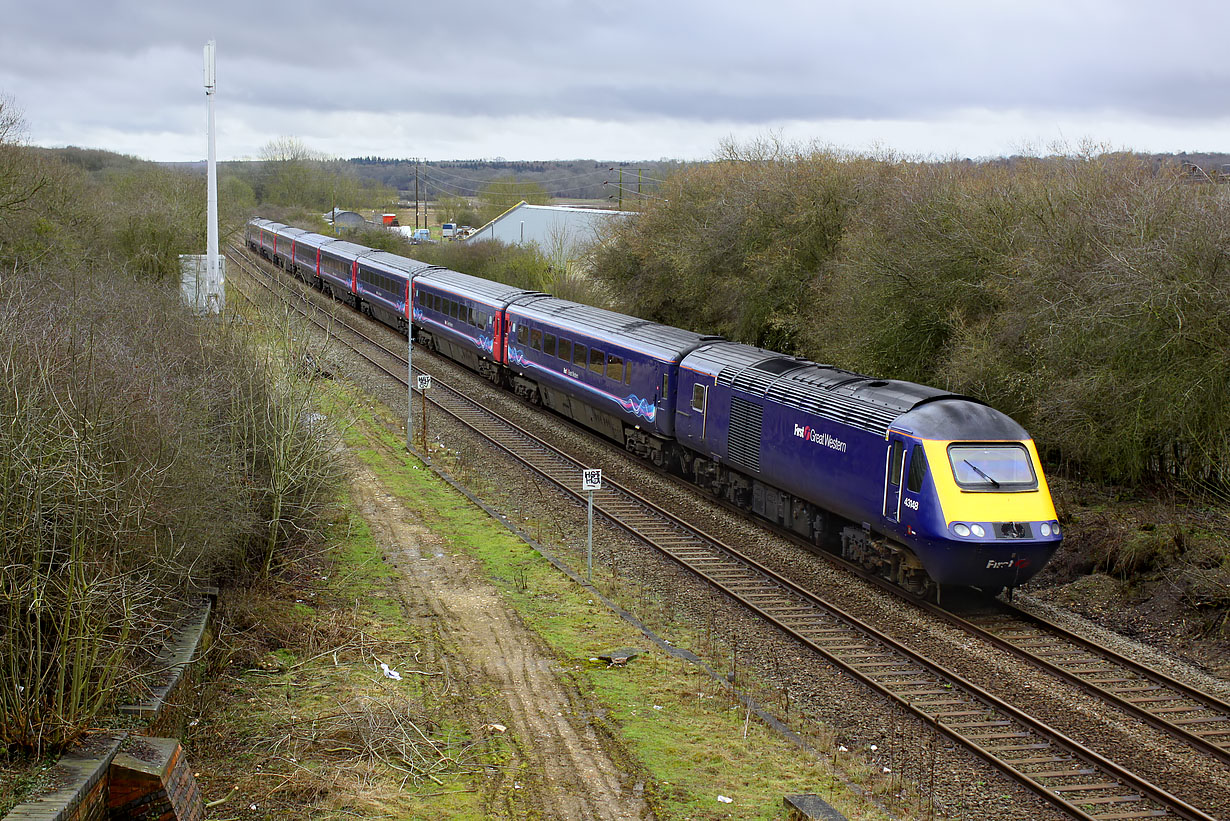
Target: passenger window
665	385
536	339
918	469
578	355
523	334
615	368
698	398
596	360
565	349
628	374
548	344
894	465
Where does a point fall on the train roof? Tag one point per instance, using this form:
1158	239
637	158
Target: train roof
288	231
473	287
344	249
395	262
960	418
313	239
662	341
834	393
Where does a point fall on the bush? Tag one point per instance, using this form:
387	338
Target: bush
140	453
141	450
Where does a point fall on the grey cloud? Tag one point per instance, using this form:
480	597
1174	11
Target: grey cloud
136	65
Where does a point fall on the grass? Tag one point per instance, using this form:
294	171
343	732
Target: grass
309	724
21	778
685	734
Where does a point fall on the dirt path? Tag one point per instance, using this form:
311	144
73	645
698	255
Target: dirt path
573	775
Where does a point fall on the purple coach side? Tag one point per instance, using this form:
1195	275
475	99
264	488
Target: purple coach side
284	246
613	373
462	317
305	257
337	269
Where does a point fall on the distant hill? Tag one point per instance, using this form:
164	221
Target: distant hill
562	179
570	180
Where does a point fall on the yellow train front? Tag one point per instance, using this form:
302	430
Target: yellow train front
920	485
965	492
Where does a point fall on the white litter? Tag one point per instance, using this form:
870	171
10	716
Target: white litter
497	728
389	672
725	800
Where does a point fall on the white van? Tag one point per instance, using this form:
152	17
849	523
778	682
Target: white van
448	230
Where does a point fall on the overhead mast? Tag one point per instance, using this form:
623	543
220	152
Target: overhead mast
211	245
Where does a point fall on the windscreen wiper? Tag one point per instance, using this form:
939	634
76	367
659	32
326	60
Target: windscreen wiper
981	472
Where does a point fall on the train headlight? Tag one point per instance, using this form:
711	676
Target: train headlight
1045	528
1055	528
979	530
961	530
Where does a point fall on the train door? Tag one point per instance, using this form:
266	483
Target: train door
497	336
693	405
893	466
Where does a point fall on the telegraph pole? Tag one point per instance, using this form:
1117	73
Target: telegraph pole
211	233
416	194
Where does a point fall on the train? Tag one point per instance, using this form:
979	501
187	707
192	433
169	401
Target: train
924	487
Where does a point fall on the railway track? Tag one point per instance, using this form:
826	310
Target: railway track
1068	775
1186	713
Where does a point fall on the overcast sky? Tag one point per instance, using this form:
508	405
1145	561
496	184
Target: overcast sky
631	80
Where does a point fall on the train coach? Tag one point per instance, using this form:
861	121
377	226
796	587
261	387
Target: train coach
261	236
612	373
463	317
382	287
304	259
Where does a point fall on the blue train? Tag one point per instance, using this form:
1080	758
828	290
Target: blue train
922	486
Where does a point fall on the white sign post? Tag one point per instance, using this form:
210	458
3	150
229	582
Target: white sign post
423	381
591	480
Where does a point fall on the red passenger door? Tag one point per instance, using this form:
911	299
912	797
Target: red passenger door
497	337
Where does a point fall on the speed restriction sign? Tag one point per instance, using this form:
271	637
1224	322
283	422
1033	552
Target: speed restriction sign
591	479
423	381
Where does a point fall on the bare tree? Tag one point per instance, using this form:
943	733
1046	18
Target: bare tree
21	177
290	149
